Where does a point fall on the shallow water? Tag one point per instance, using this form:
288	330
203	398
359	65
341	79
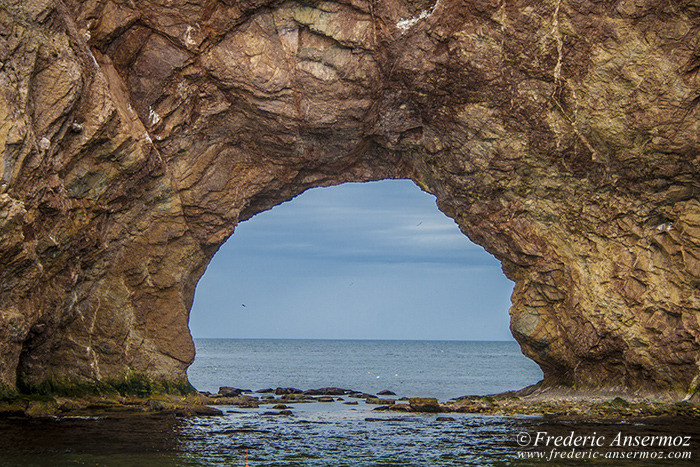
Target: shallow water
335	434
318	434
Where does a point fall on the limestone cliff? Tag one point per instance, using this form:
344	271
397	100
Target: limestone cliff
562	135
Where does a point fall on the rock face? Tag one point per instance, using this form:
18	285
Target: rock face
560	135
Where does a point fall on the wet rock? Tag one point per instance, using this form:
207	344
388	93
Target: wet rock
205	411
240	401
327	392
155	405
420	404
229	392
264	391
379	401
69	405
41	409
386	393
325	399
280	407
351	403
11	410
208	411
281	412
395	408
285	391
619	402
295	397
444	419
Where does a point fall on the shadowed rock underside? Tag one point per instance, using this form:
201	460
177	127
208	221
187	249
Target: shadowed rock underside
560	135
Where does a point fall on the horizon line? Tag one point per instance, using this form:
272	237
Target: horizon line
354	339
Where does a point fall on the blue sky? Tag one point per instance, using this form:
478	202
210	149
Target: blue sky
357	261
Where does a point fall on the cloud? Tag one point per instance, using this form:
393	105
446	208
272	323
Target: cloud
358	260
372	222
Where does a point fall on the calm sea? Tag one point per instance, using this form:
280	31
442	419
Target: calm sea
334	434
442	369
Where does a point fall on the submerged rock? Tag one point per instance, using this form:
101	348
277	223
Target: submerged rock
327	392
281	412
286	391
204	410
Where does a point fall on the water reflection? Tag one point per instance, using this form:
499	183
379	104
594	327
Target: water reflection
317	435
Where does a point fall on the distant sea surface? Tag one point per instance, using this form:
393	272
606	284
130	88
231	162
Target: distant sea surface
442	369
334	433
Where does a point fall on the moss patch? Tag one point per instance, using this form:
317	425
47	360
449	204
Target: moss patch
133	384
7	393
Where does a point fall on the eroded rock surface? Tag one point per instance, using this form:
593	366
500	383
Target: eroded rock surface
560	135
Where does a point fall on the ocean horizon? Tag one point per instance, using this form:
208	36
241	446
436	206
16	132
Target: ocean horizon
443	369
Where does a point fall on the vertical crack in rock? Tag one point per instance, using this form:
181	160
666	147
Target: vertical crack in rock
560	135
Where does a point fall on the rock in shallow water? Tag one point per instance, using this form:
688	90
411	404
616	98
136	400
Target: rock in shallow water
332	391
281	412
419	404
286	391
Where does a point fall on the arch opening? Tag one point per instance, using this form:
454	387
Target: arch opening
353	281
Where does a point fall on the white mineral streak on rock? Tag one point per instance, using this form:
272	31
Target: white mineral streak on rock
44	143
153	116
188	37
408	23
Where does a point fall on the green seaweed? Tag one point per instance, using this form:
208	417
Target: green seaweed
7	393
619	402
143	386
132	384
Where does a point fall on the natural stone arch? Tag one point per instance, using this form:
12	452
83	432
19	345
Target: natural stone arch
560	135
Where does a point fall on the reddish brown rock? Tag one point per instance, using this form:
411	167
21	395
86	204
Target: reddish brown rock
560	135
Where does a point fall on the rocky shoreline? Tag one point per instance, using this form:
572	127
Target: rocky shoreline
280	402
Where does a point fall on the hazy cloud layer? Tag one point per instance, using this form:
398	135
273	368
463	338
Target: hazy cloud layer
373	260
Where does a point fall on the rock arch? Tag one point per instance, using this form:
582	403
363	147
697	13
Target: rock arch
560	135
